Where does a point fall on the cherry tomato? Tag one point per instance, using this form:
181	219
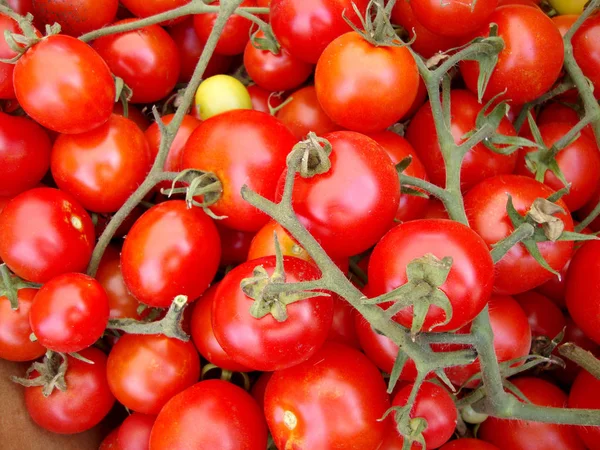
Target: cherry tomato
585	50
75	17
145	371
259	388
219	94
568	6
143	8
343	330
20	6
263	243
43	233
134	432
64	85
564	22
561	113
6	70
235	246
545	318
111	442
261	99
585	394
133	114
307	405
468	444
15	329
555	289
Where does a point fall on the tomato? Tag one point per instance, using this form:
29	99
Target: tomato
20	6
235	246
545	318
64	85
512	338
555	289
6	70
469	282
527	435
343	330
561	113
454	18
531	60
468	444
519	2
346	213
59	240
204	338
75	17
190	48
143	8
145	371
171	250
111	442
24	154
479	162
146	59
586	51
209	415
575	335
263	243
234	36
216	146
307	405
565	22
568	6
261	98
355	96
219	94
134	432
133	114
585	394
82	406
436	406
306	27
304	113
102	167
411	207
15	330
485	205
259	388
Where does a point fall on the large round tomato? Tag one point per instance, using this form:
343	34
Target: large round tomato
469	282
485	205
6	70
134	432
531	60
545	318
213	414
24	154
357	97
15	329
307	406
43	233
64	85
75	17
242	147
586	51
585	393
145	371
171	250
479	162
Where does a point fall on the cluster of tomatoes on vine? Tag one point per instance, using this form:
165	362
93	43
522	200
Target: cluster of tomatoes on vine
71	157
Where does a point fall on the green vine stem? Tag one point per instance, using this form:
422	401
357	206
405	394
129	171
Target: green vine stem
589	219
581	357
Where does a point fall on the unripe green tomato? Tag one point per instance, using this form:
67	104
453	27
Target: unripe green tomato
219	94
469	415
568	6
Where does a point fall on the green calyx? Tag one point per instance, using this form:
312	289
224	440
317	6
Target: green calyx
266	42
11	284
411	429
51	373
375	26
314	156
204	185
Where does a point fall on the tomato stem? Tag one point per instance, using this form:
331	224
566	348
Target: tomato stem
583	358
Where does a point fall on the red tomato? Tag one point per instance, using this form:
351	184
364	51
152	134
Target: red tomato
76	17
306	405
171	250
82	406
346	213
263	243
469	283
485	205
261	98
15	330
564	22
24	154
343	330
555	289
479	162
144	8
145	371
306	27
111	442
204	338
20	6
6	70
134	432
435	210
355	96
64	85
561	113
240	147
545	318
468	444
587	51
527	435
147	60
235	246
585	393
43	233
531	60
132	114
259	388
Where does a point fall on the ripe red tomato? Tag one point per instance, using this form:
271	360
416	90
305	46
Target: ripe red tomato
564	22
585	393
24	154
146	59
346	213
76	17
259	387
111	442
275	345
134	432
209	415
556	288
43	233
485	205
143	8
358	98
545	318
15	329
306	405
64	85
531	60
468	444
171	250
145	371
20	6
469	283
235	246
240	147
132	114
523	434
82	406
261	98
561	113
343	330
585	50
6	70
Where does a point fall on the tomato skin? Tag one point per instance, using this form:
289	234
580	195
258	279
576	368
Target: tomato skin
201	417
15	329
261	98
62	231
133	114
259	388
358	98
485	206
263	243
65	65
469	283
215	146
343	330
560	113
76	17
235	246
317	392
134	432
142	8
111	442
545	318
531	60
527	435
586	51
479	162
556	288
86	402
564	22
145	371
468	444
146	59
24	154
585	394
219	94
7	90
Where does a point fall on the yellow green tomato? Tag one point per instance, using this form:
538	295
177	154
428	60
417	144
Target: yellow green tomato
219	94
568	6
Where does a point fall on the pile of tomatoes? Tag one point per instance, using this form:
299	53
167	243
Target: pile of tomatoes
290	370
